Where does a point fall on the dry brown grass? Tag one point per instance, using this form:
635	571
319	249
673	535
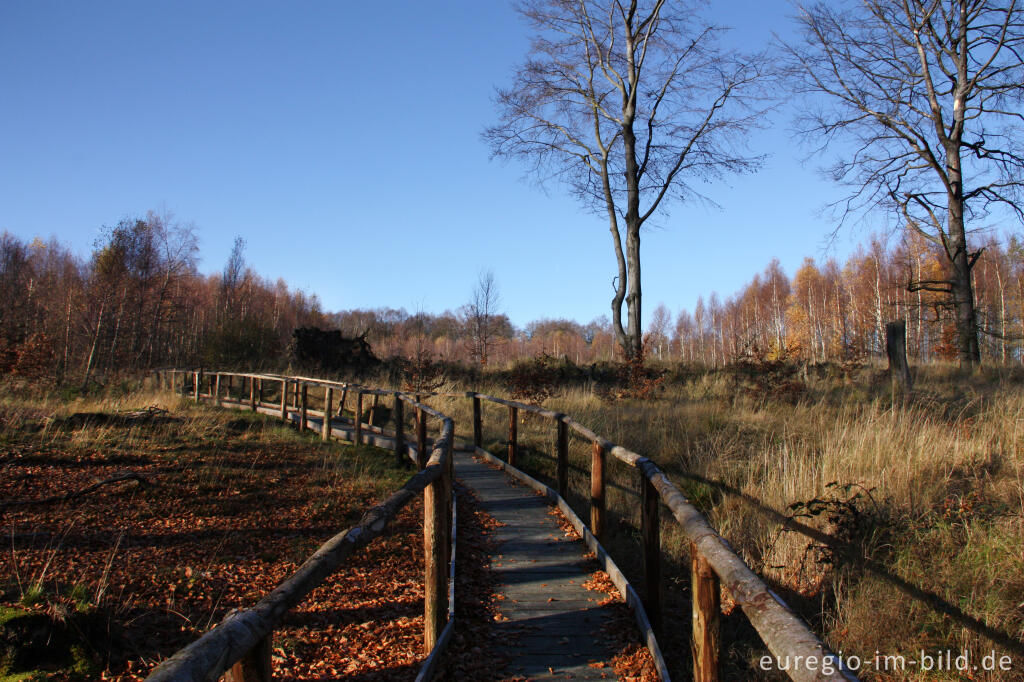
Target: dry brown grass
929	487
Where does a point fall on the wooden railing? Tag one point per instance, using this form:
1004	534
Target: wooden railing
713	562
240	646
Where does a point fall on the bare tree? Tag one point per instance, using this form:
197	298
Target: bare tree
626	101
929	93
481	316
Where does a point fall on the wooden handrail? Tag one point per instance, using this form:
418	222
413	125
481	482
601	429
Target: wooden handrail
786	635
240	644
713	560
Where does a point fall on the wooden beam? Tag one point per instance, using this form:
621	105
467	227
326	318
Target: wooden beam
216	389
705	641
478	424
421	438
303	407
357	437
651	533
597	460
513	434
400	458
255	666
435	612
325	431
373	410
284	399
563	457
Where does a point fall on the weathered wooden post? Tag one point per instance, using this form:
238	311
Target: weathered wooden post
478	424
563	455
597	457
513	434
196	385
400	458
896	350
372	421
449	500
259	394
705	642
255	665
434	552
227	391
341	403
325	432
651	532
357	437
216	389
421	438
303	406
252	393
295	395
284	399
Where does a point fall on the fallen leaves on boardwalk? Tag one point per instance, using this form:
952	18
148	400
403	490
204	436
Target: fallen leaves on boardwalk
222	509
633	662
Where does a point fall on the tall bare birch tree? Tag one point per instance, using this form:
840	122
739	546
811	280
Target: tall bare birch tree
929	94
627	102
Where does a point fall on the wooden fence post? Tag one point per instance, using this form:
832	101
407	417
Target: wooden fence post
421	438
341	403
216	389
400	458
259	395
435	575
284	399
357	437
513	434
449	500
227	391
649	529
563	455
255	665
303	403
597	490
373	410
295	395
705	642
325	431
196	386
478	424
252	394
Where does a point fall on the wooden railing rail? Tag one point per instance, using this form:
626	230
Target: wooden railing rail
713	561
239	647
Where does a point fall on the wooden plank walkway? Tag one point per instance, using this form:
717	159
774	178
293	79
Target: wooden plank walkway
554	624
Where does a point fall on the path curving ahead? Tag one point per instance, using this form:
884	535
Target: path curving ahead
553	626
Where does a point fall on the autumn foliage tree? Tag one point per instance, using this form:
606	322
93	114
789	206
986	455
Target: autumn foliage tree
928	94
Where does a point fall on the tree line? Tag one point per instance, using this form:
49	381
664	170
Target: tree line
138	301
825	312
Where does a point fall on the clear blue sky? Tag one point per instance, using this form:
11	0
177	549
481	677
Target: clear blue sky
342	141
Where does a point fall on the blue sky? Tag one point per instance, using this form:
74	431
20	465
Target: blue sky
343	143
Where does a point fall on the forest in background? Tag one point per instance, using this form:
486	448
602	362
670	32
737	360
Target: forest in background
138	301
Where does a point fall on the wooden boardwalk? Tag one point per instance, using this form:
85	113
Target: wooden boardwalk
554	624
